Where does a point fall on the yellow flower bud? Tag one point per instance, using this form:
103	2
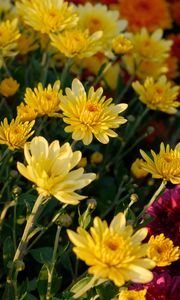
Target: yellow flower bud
137	170
82	163
96	158
8	87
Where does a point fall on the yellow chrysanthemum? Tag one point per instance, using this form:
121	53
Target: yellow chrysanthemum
158	95
162	250
26	43
26	112
90	113
99	17
121	44
77	43
47	16
165	164
113	252
132	295
9	35
15	134
8	87
50	168
44	101
149	54
136	169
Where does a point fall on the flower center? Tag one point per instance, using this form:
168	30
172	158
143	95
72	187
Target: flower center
92	107
112	245
94	25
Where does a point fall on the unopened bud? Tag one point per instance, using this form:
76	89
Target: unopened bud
14	173
92	203
16	189
134	198
64	220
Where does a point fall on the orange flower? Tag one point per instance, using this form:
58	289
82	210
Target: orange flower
151	14
175	11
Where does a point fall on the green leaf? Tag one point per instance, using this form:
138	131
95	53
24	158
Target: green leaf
107	291
42	255
80	284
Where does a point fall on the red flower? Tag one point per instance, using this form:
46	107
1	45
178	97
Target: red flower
166	214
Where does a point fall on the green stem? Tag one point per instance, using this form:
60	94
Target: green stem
4	211
53	262
6	68
125	90
65	72
157	193
20	252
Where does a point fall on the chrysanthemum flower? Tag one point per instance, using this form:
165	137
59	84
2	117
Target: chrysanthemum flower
165	164
26	112
165	213
47	16
77	43
44	101
8	87
162	250
15	134
121	44
113	252
132	295
50	168
151	14
162	287
9	35
158	95
99	17
26	43
90	113
149	54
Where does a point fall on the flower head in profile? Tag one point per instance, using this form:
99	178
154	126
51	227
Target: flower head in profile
90	114
162	250
142	13
50	168
47	16
165	164
113	252
15	134
77	43
8	87
26	112
132	295
44	101
98	17
9	34
149	54
137	170
159	94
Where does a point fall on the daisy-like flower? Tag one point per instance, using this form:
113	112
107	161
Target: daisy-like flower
77	43
149	54
9	34
8	87
132	295
90	113
142	13
15	134
165	164
162	250
98	17
158	95
50	168
113	252
26	112
121	44
44	101
47	16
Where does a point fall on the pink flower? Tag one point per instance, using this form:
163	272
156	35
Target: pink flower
162	287
166	214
